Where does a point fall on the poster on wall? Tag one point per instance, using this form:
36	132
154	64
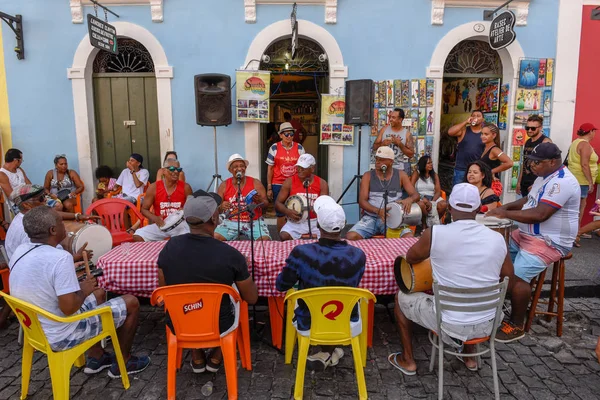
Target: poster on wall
491	118
528	100
549	71
542	73
253	90
333	130
528	73
376	101
547	102
430	92
488	94
405	93
414	92
397	93
390	93
519	137
503	116
459	96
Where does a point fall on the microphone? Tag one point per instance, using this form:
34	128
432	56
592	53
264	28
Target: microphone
238	176
383	168
306	183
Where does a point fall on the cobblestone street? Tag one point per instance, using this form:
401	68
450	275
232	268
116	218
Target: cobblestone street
540	366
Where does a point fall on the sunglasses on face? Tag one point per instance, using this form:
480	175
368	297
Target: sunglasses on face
531	128
287	134
174	169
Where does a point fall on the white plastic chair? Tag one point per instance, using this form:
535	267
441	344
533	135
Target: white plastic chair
450	299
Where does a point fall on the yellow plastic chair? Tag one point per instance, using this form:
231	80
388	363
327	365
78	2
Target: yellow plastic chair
59	363
330	309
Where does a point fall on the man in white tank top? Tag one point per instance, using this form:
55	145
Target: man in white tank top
11	174
464	254
399	139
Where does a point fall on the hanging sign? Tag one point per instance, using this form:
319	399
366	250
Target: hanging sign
333	130
294	32
502	31
103	35
253	89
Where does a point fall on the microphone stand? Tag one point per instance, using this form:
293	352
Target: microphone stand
239	195
385	204
306	185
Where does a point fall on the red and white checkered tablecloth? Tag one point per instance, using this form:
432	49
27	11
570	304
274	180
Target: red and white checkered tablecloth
132	267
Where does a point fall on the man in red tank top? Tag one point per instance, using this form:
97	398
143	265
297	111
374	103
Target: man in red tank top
297	185
238	193
165	197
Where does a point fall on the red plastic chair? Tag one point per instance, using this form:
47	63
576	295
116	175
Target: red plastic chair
112	212
187	305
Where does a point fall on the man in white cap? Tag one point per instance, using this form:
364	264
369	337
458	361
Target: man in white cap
241	194
329	262
307	186
375	185
196	257
464	254
281	162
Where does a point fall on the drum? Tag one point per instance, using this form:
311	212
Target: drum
173	221
502	226
298	204
396	217
250	196
413	278
98	239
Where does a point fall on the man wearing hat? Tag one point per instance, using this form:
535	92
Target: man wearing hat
167	198
281	162
132	180
302	183
374	186
548	220
456	253
197	257
241	193
329	262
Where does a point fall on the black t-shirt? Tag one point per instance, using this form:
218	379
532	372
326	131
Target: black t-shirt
528	177
193	258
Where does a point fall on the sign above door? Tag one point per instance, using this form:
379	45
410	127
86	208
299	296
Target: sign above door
502	31
103	35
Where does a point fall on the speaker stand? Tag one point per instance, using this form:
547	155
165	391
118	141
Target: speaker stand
358	175
216	178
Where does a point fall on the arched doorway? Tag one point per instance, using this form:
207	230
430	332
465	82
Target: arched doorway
296	87
472	80
125	106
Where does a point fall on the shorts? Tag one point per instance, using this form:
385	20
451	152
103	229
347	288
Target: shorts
584	191
91	327
369	226
276	189
152	233
420	308
229	229
527	266
297	229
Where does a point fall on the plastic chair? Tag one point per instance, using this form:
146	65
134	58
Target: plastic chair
112	212
330	309
452	299
4	273
187	305
59	363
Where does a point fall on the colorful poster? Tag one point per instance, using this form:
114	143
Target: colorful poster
503	117
516	154
514	176
521	117
420	150
372	153
423	92
333	130
491	118
528	73
253	90
382	118
375	125
549	71
390	93
542	73
422	121
430	92
459	96
405	93
414	116
414	92
528	100
429	144
488	94
430	119
547	103
376	102
519	137
397	93
382	94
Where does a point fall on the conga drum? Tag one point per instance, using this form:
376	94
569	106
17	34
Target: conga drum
98	238
413	278
500	225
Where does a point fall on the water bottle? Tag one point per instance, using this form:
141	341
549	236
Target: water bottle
207	389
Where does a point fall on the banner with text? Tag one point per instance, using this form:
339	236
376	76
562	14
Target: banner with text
333	130
253	89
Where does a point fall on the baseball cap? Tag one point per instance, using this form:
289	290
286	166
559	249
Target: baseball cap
545	151
200	206
385	152
286	126
25	192
465	197
587	127
306	160
236	157
330	215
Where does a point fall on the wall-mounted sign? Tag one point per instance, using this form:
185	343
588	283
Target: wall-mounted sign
103	35
502	31
253	90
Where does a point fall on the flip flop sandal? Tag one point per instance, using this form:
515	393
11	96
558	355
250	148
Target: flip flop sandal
474	369
392	360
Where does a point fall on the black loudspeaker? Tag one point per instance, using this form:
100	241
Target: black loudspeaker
213	99
359	102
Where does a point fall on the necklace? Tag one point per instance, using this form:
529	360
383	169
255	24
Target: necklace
387	183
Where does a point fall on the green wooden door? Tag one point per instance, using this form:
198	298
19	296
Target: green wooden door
126	113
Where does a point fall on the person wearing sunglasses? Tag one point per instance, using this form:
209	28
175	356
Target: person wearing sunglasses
281	162
534	130
12	175
167	196
170	155
547	220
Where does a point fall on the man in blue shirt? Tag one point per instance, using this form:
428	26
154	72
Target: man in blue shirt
329	262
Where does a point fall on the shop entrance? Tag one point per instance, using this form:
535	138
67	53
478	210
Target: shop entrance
296	87
472	81
126	107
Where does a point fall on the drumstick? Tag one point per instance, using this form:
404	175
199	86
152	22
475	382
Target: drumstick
86	265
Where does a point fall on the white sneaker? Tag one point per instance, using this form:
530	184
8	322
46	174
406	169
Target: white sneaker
318	361
335	356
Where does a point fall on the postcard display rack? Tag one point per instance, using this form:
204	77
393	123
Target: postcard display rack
533	96
416	98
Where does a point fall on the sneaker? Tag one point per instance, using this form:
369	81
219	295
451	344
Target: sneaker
133	365
318	361
95	365
507	332
335	356
212	366
198	368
